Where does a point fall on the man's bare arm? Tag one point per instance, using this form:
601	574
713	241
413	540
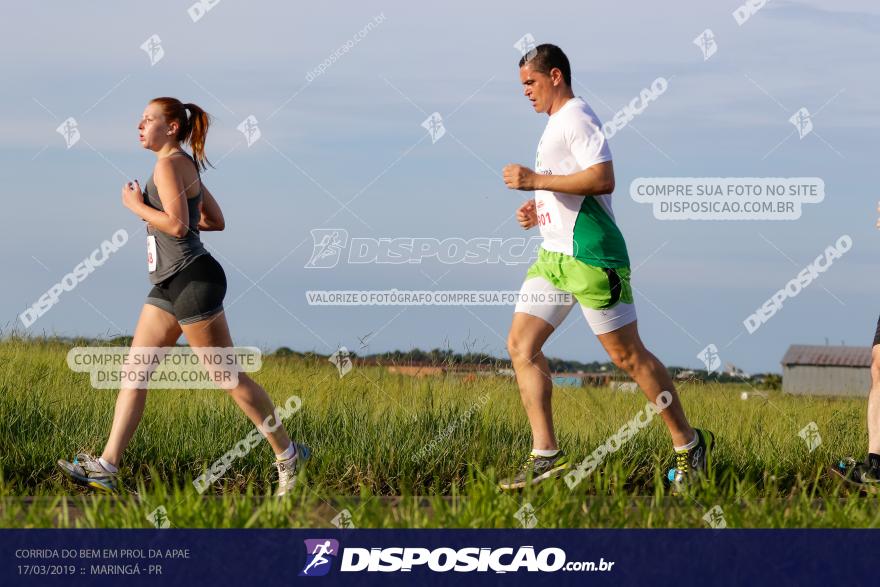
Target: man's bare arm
596	180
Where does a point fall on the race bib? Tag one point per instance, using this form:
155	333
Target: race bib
548	213
151	253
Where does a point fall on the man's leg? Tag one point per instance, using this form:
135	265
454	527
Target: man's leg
541	309
625	348
874	403
867	472
527	336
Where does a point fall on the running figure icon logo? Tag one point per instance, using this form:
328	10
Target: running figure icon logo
706	43
153	48
810	434
318	553
250	128
159	517
526	46
526	516
710	357
434	125
342	359
69	129
715	518
343	520
327	246
802	121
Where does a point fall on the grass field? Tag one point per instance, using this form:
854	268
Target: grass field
365	429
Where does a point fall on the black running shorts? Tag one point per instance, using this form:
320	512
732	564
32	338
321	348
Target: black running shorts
194	293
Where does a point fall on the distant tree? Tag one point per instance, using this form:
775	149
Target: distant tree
284	352
773	381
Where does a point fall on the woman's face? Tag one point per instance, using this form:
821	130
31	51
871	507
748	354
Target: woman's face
153	130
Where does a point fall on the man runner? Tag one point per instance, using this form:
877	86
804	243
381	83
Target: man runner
583	254
867	473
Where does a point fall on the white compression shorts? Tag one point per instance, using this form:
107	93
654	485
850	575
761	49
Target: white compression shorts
536	292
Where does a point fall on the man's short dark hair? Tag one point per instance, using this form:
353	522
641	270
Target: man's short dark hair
545	57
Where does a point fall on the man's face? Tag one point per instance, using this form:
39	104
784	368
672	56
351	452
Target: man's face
538	88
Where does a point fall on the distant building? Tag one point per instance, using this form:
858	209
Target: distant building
471	371
826	370
734	371
416	370
427	369
582	379
566	380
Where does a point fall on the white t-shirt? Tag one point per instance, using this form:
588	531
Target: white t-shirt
580	226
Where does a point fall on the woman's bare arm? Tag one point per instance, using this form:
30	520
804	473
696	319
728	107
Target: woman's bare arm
211	214
174	219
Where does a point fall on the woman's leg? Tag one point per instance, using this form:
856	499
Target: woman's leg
155	328
248	394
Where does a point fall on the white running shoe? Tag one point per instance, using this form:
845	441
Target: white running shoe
287	469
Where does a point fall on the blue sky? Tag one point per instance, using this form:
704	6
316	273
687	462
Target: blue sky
355	130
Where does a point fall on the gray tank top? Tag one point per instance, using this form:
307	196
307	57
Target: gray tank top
172	254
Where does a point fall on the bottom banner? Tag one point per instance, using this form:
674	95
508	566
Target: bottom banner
437	557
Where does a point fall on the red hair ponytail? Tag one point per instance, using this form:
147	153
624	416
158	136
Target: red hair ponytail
193	126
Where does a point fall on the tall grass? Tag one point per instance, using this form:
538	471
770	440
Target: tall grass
376	434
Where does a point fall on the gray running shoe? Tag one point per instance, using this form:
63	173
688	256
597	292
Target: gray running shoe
866	477
87	470
535	470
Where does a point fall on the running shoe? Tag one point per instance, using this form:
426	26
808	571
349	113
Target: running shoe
287	469
866	477
689	464
87	470
536	469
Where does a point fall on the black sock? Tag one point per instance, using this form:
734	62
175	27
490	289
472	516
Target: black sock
873	460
